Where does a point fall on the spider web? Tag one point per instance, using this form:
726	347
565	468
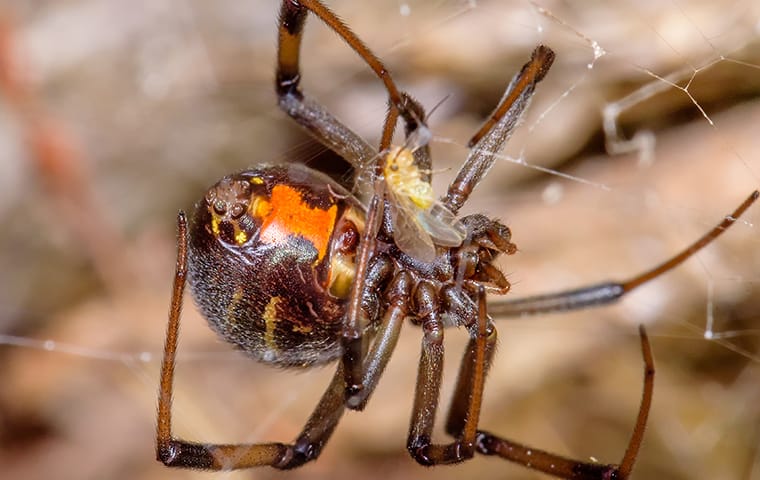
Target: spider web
642	137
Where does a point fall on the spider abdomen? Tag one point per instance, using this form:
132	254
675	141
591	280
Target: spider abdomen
271	262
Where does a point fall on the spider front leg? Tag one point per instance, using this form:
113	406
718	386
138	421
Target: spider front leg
490	139
309	113
306	111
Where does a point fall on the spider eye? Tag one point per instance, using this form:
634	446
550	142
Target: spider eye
230	197
228	203
237	211
219	207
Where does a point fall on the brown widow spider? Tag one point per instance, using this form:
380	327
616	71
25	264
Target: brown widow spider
296	271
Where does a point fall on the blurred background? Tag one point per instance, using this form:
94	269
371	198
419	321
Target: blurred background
114	115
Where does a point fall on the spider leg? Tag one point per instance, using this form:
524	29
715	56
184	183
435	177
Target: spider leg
489	444
309	113
472	373
609	292
319	427
478	354
336	136
175	452
292	17
494	133
414	116
363	370
385	340
353	338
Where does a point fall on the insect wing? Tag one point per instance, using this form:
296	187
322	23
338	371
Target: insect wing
442	225
409	235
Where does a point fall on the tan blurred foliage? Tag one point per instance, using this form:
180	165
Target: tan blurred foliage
154	100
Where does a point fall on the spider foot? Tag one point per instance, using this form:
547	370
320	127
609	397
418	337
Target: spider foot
429	455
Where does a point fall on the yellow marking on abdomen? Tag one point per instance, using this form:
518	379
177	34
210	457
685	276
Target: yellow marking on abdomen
237	295
270	322
302	328
241	237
